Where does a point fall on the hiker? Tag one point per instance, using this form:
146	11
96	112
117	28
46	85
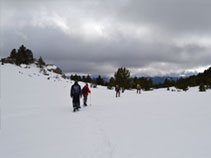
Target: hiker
138	88
85	92
76	95
117	89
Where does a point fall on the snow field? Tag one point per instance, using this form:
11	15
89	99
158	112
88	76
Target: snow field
37	120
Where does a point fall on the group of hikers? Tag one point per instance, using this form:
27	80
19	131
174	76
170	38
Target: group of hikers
76	93
117	89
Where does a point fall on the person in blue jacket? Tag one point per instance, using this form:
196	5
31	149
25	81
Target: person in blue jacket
76	94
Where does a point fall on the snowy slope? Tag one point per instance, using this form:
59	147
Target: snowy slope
37	121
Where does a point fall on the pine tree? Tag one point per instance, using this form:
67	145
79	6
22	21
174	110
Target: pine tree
99	80
202	88
13	54
209	83
24	56
18	60
29	57
111	83
41	62
84	79
122	77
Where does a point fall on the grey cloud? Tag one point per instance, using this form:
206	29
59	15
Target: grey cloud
36	24
175	15
188	15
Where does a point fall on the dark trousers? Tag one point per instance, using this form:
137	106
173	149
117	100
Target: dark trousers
76	106
85	100
118	94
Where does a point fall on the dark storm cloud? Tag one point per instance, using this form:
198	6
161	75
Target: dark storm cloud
149	36
177	15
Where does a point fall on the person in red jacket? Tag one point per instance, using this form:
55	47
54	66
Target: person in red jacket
117	89
85	92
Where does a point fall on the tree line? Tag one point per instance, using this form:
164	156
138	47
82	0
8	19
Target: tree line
203	80
122	78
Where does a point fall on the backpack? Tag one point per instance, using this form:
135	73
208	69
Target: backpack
76	89
85	90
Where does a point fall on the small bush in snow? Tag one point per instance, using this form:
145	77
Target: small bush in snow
93	85
110	87
202	88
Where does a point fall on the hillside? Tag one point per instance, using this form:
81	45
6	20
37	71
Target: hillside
37	120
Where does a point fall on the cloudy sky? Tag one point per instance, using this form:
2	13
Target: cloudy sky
151	37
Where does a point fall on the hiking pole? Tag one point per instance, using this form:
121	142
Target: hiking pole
90	102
